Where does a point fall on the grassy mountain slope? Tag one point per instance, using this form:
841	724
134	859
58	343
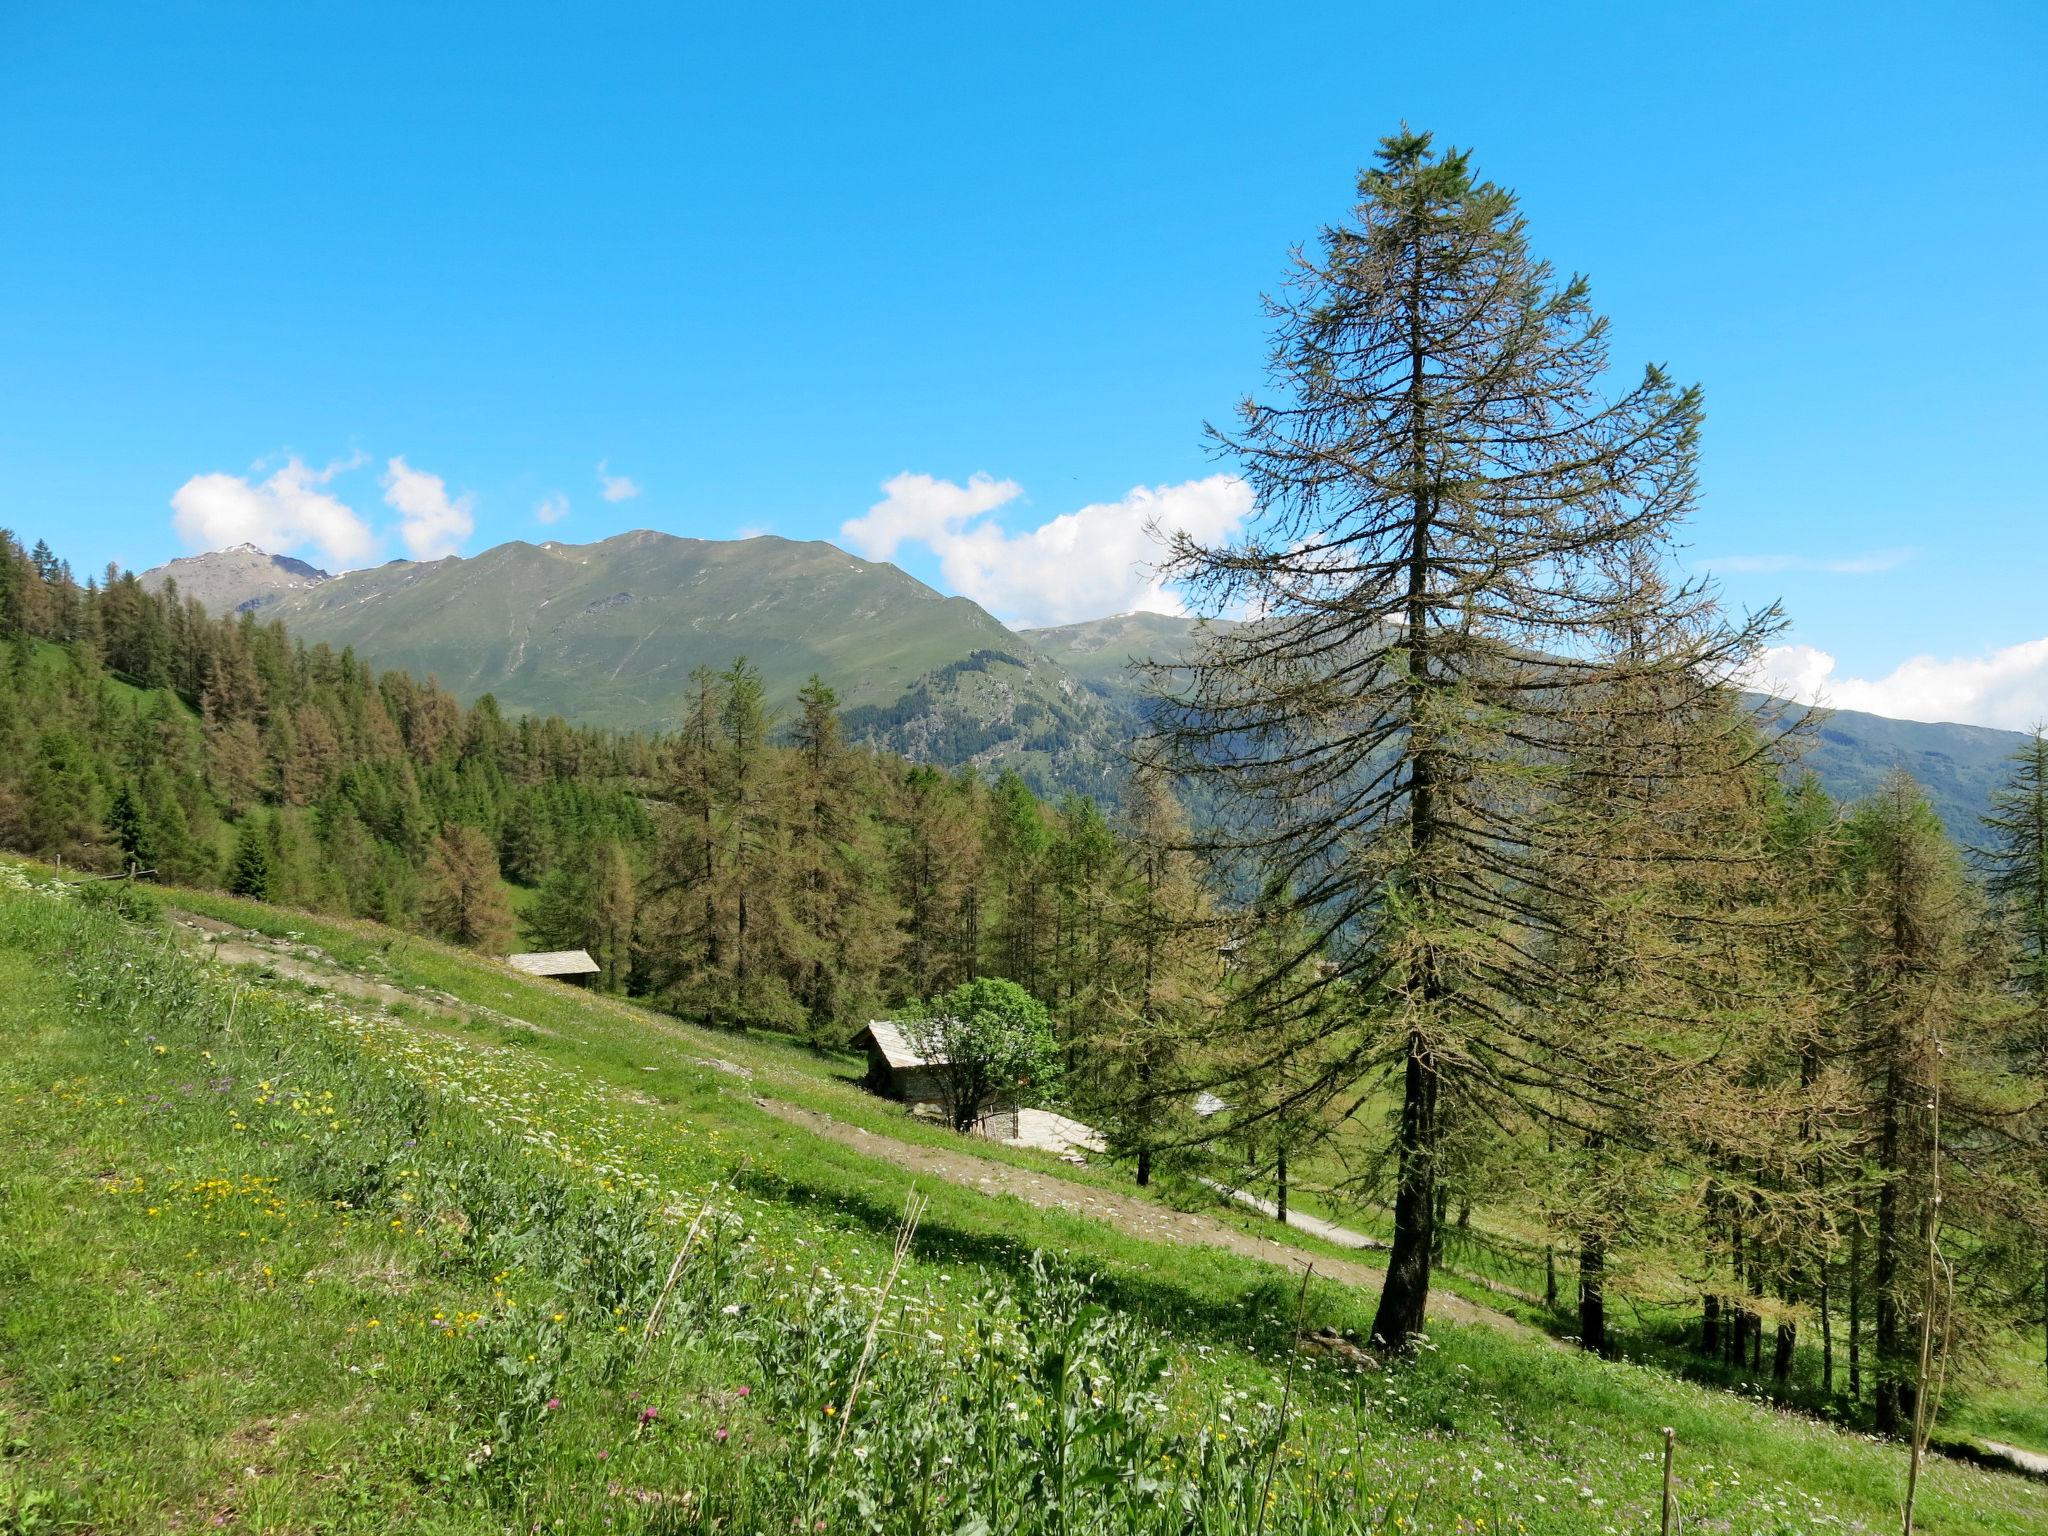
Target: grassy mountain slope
1958	765
999	709
608	633
426	1264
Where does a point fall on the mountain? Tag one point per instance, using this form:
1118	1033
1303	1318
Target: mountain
1958	765
237	579
608	633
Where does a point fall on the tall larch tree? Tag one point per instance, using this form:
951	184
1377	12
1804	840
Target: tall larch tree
1441	482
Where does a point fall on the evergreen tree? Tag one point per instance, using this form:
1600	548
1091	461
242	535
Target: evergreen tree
249	869
1442	494
2015	862
127	821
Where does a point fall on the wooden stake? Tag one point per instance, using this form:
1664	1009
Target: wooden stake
1670	1489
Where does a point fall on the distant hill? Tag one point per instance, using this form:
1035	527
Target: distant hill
238	579
1958	765
607	634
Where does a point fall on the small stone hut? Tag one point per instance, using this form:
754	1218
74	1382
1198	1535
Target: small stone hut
573	966
896	1068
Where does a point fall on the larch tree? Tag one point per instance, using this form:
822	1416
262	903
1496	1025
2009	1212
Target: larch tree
2014	859
1915	910
841	934
1442	482
1652	827
462	898
935	871
1155	984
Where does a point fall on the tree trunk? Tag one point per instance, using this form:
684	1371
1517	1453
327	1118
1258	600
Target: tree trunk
1710	1325
1827	1340
1280	1186
1856	1311
1593	1294
1884	1281
1404	1299
1781	1358
1144	1166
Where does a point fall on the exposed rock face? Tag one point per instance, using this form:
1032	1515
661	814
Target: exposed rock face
238	579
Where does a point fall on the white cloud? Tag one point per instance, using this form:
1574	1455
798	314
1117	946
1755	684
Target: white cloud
288	511
551	508
924	509
2007	687
615	487
1870	563
1099	560
432	526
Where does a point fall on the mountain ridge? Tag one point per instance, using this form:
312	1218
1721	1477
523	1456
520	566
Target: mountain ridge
606	633
238	579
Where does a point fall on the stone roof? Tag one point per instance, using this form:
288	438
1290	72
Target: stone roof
895	1045
555	962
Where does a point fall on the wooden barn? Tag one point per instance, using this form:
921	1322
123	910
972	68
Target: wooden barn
573	966
896	1068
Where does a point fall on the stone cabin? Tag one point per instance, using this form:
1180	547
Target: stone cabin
896	1068
573	966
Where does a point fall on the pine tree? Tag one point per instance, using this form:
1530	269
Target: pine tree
1441	494
128	822
2015	863
249	869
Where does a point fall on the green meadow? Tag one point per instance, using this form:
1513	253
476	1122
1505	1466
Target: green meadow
506	1257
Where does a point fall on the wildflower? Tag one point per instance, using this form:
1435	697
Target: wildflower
721	1432
649	1415
744	1392
554	1403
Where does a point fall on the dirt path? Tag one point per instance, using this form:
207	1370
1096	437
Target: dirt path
1314	1226
1127	1213
229	945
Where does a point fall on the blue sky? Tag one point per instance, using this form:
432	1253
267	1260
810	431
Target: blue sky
434	266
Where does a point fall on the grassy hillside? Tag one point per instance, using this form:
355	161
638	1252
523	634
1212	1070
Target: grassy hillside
275	1254
608	633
